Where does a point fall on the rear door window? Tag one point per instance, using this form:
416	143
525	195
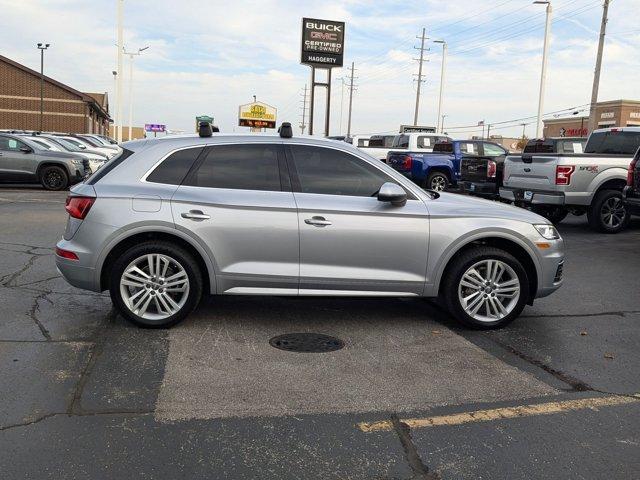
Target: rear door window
175	167
614	143
239	167
468	148
491	150
425	142
401	141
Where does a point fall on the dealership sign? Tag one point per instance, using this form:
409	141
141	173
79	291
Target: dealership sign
154	127
322	43
257	115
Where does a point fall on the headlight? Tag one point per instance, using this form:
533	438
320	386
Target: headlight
547	231
76	162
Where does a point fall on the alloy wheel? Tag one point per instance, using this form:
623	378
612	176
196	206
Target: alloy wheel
154	286
489	290
613	212
438	183
54	179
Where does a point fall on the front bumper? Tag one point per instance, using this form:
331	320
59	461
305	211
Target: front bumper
631	202
535	197
552	267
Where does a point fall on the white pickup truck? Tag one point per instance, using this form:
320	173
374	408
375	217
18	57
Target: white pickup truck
590	182
418	141
375	145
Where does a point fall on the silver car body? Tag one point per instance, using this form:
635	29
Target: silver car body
266	242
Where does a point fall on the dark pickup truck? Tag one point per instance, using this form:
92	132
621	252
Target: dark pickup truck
631	193
481	171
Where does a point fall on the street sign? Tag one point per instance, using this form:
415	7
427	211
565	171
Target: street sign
322	43
154	127
257	115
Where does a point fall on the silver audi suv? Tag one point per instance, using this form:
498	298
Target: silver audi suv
172	218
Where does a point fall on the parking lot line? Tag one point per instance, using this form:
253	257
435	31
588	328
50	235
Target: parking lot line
547	408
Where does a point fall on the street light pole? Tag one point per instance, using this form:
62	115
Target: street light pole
131	55
444	60
442	124
543	75
120	5
42	48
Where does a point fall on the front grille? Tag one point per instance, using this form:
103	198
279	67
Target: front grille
558	276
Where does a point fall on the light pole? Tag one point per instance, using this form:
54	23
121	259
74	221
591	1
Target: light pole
442	124
119	5
444	61
543	75
131	55
115	120
42	48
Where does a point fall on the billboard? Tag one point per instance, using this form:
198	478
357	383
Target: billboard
322	43
257	115
154	127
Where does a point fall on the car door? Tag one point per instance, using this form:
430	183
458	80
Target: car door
236	201
351	243
14	162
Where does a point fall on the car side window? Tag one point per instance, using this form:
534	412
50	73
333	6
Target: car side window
10	144
491	150
425	142
240	167
468	148
175	167
332	172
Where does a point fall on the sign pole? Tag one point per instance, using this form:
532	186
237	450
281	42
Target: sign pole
328	112
312	99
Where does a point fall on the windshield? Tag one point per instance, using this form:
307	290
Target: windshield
65	144
42	144
77	143
613	142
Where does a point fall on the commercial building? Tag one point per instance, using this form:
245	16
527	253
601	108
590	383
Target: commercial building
65	109
615	113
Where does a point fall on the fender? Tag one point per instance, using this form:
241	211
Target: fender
431	289
149	227
613	173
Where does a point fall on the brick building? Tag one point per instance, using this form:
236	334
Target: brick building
65	109
615	113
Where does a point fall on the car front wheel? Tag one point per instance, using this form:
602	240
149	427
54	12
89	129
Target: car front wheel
54	178
485	288
437	181
155	284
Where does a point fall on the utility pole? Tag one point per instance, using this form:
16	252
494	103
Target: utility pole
488	130
444	60
596	75
422	38
304	110
524	125
119	5
42	48
442	124
131	55
543	75
351	88
341	101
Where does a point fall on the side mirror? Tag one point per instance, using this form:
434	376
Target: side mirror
26	149
392	193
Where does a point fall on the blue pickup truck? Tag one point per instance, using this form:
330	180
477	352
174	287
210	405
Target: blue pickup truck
439	169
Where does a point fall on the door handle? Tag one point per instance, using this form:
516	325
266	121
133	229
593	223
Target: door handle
317	221
195	215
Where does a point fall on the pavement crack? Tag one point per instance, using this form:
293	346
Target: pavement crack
32	313
67	414
419	469
620	313
7	279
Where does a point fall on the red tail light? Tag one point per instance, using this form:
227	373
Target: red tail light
406	162
630	172
563	174
78	207
492	168
66	254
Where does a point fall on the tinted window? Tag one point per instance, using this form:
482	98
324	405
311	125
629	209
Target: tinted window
468	148
110	165
401	141
491	150
540	146
425	142
443	147
175	167
363	142
8	143
241	167
331	172
613	143
571	146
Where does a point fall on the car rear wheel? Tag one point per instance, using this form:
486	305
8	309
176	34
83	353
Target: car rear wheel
607	213
485	288
155	284
54	178
437	181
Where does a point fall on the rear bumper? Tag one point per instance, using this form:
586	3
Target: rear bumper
536	197
631	201
479	188
76	272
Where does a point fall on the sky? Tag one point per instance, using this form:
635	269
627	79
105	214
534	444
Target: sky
210	57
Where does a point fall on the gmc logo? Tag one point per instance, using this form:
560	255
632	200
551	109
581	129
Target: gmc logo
323	26
324	36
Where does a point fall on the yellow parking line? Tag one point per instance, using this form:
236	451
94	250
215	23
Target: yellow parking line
502	413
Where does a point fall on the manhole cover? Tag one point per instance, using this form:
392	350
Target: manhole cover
306	342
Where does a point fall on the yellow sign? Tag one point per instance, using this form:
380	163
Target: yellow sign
257	114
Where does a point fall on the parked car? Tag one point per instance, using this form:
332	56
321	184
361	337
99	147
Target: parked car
377	146
96	160
96	142
171	218
481	172
25	161
84	145
441	168
556	145
556	183
631	193
418	142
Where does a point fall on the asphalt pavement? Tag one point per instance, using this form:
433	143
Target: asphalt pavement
411	395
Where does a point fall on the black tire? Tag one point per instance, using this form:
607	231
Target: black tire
457	268
184	258
554	214
54	178
601	204
437	178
